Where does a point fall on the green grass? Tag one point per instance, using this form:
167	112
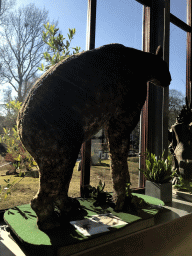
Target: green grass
26	189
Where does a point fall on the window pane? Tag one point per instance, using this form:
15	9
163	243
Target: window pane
177	66
178	8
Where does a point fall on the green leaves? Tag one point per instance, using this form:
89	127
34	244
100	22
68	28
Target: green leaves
100	187
127	189
13	106
8	187
56	44
183	185
17	154
158	171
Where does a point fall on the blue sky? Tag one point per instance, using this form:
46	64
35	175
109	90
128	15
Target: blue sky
118	22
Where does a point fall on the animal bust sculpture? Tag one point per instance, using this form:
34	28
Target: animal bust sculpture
180	136
70	103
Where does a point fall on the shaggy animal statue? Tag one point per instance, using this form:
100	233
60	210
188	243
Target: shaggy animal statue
71	102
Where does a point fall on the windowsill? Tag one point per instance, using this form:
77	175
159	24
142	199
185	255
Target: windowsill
176	209
179	207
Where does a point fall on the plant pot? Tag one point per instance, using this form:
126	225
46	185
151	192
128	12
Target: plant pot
160	191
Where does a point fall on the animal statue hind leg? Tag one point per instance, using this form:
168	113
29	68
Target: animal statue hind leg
54	185
55	151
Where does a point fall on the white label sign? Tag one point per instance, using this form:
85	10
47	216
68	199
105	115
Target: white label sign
97	224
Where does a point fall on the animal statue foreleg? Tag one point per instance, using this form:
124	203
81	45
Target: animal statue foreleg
118	136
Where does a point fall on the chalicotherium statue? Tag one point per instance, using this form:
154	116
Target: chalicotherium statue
180	136
106	87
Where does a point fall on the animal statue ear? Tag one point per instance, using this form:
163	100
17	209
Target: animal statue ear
159	51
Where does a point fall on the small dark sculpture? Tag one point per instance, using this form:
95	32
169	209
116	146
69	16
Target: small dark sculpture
180	136
70	103
3	149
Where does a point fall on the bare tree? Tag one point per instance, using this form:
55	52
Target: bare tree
22	48
7	95
27	84
176	102
6	6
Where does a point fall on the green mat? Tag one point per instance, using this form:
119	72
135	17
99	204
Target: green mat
22	222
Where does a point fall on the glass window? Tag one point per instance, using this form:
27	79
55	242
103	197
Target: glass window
178	8
177	66
117	22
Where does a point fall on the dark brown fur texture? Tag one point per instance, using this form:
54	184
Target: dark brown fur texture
106	87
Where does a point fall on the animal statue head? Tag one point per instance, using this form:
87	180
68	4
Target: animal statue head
156	77
180	136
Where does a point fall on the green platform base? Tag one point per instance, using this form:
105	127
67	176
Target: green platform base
22	222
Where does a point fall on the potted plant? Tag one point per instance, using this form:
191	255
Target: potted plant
158	174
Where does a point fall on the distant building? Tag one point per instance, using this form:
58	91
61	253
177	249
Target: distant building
96	146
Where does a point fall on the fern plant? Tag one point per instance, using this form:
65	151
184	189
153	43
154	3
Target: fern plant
158	171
